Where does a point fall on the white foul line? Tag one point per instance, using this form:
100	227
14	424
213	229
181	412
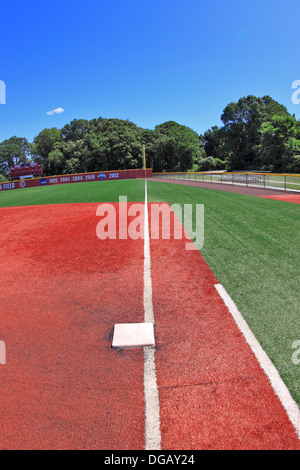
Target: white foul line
152	413
270	370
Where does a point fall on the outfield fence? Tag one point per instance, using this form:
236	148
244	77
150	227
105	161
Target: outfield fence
285	182
77	178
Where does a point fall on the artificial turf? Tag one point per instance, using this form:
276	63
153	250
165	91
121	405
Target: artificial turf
98	191
251	245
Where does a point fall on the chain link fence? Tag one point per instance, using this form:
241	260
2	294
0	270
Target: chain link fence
285	182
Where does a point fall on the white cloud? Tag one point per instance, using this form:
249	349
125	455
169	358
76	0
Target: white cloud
55	111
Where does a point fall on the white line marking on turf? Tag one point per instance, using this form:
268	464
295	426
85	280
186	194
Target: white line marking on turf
270	370
152	412
2	353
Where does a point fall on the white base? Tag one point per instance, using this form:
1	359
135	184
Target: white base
133	335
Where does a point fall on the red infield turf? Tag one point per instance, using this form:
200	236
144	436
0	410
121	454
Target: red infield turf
62	290
63	387
285	197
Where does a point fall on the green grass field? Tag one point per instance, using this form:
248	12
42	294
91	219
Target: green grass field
73	193
251	245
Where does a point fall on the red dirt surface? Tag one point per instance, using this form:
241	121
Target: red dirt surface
295	198
62	290
63	387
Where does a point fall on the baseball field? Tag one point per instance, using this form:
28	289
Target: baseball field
220	381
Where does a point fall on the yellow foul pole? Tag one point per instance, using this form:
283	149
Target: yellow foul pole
144	157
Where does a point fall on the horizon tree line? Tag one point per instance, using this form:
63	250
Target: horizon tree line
257	134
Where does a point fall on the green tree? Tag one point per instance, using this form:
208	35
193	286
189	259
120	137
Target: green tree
294	165
121	144
177	147
242	122
280	141
43	144
76	130
207	164
213	142
75	150
56	162
149	139
97	150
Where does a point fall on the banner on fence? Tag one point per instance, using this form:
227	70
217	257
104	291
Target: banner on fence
77	178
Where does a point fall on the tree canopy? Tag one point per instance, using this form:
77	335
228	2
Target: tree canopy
257	133
12	152
105	144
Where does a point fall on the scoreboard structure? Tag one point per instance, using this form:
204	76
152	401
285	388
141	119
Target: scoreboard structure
26	170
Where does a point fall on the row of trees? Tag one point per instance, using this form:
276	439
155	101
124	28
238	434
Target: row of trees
105	144
257	133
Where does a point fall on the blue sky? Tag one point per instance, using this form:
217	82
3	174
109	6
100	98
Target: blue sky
149	61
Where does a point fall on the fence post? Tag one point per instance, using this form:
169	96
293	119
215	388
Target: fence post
285	182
